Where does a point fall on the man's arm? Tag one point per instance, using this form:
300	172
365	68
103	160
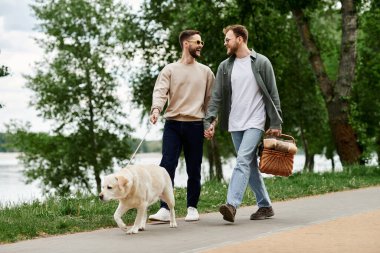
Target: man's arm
160	94
213	105
270	81
209	85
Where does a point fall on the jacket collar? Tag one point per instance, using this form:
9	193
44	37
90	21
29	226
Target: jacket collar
253	56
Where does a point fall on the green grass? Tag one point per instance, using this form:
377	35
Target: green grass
60	215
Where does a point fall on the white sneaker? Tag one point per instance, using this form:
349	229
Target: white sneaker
192	214
162	215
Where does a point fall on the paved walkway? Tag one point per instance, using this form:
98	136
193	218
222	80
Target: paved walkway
337	222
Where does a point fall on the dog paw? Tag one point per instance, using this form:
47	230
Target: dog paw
124	228
142	229
133	230
173	224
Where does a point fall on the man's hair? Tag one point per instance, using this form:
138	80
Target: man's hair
238	30
184	35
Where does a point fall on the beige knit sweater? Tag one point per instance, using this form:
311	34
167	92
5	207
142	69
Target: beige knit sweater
186	87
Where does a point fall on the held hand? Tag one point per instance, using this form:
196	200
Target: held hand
209	133
273	132
154	116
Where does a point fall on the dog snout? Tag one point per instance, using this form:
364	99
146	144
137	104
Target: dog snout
101	196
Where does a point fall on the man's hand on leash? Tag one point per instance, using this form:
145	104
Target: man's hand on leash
154	116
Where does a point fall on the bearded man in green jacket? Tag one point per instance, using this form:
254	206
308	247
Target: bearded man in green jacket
245	94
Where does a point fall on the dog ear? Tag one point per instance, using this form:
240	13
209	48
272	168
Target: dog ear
122	181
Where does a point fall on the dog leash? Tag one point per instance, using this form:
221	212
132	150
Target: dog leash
133	156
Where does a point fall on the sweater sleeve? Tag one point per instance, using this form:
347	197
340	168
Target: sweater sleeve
161	89
209	85
216	97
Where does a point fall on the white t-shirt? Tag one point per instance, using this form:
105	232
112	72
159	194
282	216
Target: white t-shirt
248	108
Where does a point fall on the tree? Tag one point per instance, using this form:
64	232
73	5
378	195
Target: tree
336	93
304	111
366	102
76	87
3	71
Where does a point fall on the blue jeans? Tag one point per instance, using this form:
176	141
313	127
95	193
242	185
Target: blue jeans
189	136
246	170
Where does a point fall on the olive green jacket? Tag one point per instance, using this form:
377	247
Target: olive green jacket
221	94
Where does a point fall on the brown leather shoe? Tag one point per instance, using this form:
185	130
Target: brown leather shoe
262	213
228	211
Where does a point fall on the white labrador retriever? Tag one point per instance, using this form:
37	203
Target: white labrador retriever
138	186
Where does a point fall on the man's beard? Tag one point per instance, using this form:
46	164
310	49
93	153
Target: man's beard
232	50
193	52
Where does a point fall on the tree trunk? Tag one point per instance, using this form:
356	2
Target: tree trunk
336	96
343	134
305	146
311	163
91	128
214	159
378	149
210	157
217	160
306	164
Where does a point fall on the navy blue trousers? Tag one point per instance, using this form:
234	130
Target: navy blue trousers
188	136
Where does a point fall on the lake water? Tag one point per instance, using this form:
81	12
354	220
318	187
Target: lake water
13	188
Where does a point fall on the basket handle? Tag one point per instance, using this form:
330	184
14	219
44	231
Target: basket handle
283	136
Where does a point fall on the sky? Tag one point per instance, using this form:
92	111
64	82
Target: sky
19	52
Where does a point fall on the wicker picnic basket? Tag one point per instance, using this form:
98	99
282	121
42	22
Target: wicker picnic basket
278	155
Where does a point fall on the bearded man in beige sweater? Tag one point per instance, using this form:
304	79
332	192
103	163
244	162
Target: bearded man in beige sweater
186	86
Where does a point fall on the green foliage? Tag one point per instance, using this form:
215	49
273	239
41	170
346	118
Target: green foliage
146	146
3	72
326	28
61	162
151	147
56	215
304	113
319	23
365	106
5	146
286	6
75	86
2	149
